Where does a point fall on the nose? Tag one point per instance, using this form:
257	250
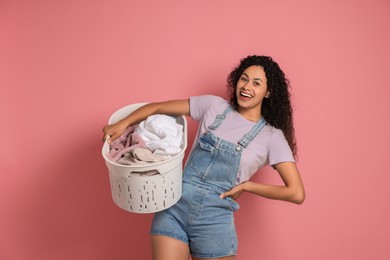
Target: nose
246	85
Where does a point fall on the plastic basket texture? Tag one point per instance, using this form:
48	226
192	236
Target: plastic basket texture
145	194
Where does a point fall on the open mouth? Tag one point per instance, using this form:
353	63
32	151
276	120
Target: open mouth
245	95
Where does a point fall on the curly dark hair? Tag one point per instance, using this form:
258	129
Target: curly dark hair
276	109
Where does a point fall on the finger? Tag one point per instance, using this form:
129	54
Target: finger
223	195
106	137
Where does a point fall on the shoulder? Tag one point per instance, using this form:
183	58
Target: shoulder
200	105
278	147
274	135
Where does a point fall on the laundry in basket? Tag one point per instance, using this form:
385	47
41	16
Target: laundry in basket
136	192
158	133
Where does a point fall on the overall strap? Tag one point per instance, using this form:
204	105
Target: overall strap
219	118
248	138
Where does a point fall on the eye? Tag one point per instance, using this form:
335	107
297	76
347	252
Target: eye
243	79
256	83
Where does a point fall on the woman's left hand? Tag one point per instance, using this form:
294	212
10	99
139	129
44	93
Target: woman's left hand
235	192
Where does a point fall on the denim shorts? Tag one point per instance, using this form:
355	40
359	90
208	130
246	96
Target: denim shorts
202	220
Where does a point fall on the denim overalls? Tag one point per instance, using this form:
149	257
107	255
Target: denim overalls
201	218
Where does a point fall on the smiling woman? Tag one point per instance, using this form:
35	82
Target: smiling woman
235	139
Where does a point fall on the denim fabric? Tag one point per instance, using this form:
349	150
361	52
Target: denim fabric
201	218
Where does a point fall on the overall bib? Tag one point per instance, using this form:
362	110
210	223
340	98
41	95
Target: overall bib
201	218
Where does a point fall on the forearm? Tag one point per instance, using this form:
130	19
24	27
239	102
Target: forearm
292	191
285	193
139	114
176	107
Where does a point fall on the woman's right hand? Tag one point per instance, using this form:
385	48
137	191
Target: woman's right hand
112	132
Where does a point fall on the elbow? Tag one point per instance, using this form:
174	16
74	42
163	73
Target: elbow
299	198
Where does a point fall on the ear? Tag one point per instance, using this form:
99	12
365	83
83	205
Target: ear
268	94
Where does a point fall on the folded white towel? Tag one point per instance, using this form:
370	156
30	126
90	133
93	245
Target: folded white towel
161	134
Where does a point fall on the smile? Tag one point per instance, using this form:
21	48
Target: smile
245	95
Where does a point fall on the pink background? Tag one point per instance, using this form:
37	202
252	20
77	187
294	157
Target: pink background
66	66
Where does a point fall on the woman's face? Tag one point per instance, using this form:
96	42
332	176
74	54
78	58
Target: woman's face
251	90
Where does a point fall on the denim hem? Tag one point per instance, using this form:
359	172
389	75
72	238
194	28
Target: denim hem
166	234
230	253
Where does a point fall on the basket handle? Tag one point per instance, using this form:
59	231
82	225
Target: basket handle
145	173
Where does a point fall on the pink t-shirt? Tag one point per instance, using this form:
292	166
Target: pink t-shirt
268	148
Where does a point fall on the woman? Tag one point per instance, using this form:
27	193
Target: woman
235	138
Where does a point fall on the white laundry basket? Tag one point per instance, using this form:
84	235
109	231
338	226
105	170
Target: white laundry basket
146	194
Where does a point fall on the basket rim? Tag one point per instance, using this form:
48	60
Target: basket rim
153	164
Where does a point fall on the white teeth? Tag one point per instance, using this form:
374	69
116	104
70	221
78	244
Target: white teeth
245	95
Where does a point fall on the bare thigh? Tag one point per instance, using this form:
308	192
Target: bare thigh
167	248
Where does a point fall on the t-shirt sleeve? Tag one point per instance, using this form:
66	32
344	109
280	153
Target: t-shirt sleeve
200	104
279	150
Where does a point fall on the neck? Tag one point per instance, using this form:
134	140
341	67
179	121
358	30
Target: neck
250	114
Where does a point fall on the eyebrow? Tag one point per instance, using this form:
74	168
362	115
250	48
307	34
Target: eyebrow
253	78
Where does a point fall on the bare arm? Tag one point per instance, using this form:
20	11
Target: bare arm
173	107
293	190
